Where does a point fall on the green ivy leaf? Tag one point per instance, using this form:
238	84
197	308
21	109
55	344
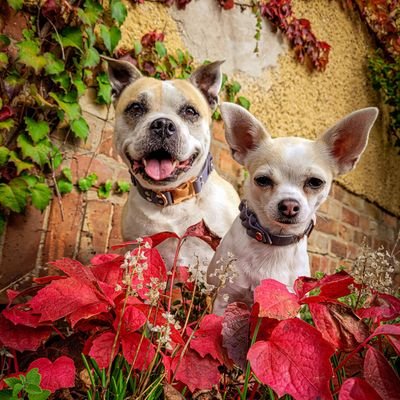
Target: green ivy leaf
3	60
91	58
28	54
138	47
80	86
63	80
64	186
160	49
67	173
111	36
17	389
243	102
16	4
7	124
4	155
45	394
56	158
14	195
41	196
31	180
123	187
37	130
19	164
38	152
71	37
80	128
4	41
72	110
11	382
91	13
104	90
118	11
54	65
105	190
85	184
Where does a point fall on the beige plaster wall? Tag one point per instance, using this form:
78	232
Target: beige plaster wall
288	98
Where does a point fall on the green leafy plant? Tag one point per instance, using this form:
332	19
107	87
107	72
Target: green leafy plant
25	387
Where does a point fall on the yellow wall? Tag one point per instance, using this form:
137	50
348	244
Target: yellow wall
289	99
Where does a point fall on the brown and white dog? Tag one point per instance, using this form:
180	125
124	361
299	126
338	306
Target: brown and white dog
162	132
289	178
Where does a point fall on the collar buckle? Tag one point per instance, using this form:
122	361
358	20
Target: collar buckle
161	199
184	191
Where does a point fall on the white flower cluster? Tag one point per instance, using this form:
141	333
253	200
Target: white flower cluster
226	272
164	331
155	286
375	269
198	274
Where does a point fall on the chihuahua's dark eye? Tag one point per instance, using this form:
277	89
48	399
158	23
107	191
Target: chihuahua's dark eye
190	113
263	181
314	183
135	109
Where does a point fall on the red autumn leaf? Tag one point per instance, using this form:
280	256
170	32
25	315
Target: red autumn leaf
101	349
380	375
132	320
208	338
109	271
5	113
266	327
380	307
87	312
235	332
295	360
20	314
56	375
100	259
196	372
138	350
304	285
388	330
21	338
158	238
339	325
357	389
395	342
275	300
61	298
203	232
44	280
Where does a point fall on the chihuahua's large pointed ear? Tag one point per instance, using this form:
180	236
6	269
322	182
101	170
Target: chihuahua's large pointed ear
121	73
208	79
348	138
243	131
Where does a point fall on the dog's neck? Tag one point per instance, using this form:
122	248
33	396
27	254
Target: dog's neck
183	192
261	234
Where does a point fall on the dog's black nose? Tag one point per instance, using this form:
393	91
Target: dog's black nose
289	208
163	127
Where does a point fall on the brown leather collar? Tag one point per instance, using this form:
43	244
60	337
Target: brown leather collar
255	230
179	194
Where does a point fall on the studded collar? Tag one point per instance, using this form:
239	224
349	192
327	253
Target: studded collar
261	234
183	192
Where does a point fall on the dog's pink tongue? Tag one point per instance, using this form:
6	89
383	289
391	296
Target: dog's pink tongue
159	169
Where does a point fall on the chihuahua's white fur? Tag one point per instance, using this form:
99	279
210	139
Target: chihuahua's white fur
289	162
217	203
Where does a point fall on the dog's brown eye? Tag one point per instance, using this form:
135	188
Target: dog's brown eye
263	181
135	109
190	112
314	183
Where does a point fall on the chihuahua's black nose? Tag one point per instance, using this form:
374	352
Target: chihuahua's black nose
163	127
289	208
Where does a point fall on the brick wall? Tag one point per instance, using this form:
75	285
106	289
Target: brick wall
82	225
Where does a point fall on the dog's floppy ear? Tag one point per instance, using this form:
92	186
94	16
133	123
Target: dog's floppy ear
121	73
243	131
208	79
347	139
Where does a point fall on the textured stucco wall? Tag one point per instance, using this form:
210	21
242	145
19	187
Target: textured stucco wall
288	98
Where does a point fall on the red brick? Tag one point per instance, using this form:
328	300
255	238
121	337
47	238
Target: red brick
390	220
364	223
373	211
318	243
338	192
339	249
346	233
353	251
62	235
21	245
116	234
218	131
95	234
324	207
84	164
326	225
350	217
361	237
315	263
123	175
107	144
228	165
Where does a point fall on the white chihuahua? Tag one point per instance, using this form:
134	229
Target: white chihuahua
289	178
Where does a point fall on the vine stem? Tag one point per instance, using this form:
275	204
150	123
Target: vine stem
59	198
